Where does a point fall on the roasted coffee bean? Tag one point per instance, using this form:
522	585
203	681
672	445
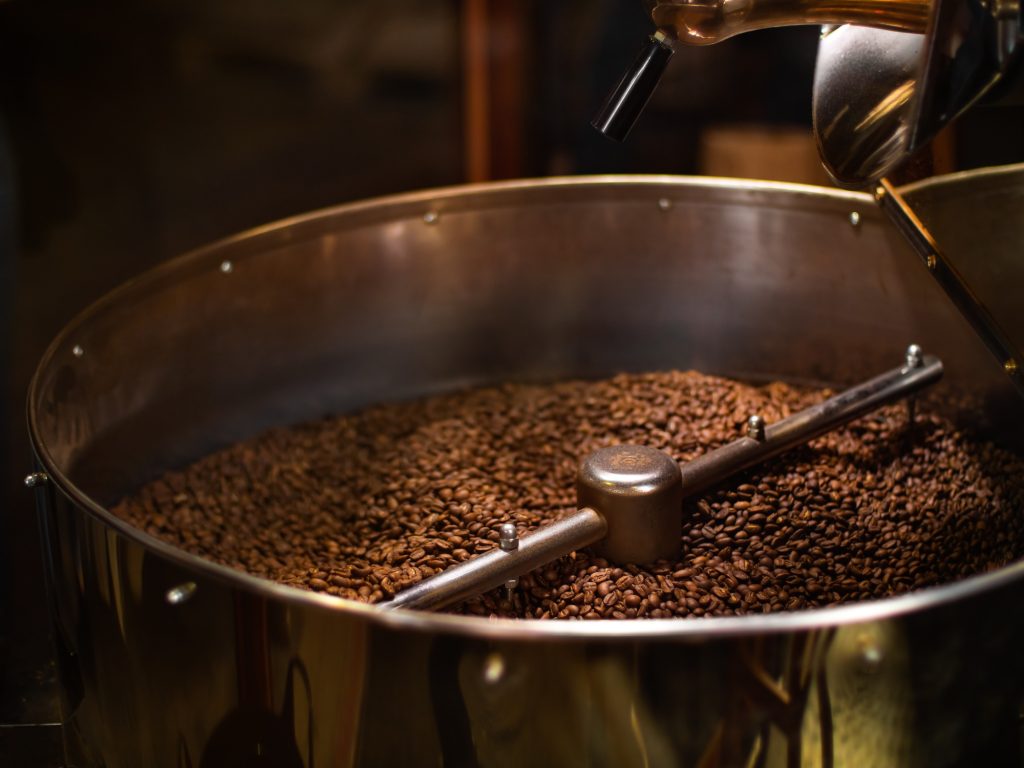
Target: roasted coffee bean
362	505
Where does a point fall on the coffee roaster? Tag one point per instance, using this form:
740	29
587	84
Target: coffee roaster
888	77
166	658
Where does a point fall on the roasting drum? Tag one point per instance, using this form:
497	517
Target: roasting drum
168	660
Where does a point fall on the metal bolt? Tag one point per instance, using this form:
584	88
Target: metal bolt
77	350
508	537
430	217
914	356
871	655
494	668
664	203
508	541
510	585
755	427
36	479
854	218
227	267
181	593
931	261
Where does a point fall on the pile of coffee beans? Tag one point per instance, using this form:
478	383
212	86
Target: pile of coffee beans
363	505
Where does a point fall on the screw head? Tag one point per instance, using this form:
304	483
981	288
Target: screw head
77	350
36	479
854	218
181	593
430	217
508	538
755	427
914	356
494	668
227	267
871	655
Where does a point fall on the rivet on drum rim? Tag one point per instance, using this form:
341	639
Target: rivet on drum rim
854	218
227	267
430	217
77	350
664	203
181	593
36	479
871	655
494	668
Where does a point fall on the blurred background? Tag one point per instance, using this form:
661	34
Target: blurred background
131	132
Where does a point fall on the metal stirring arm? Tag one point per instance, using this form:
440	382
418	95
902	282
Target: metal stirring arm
495	568
616	525
764	442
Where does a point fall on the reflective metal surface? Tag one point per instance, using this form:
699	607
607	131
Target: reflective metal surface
638	490
525	281
505	563
889	74
866	82
880	95
631	496
711	21
948	277
763	442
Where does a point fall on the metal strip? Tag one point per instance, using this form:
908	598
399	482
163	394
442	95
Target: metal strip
951	281
494	568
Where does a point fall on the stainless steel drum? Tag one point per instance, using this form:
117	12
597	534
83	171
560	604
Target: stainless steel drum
167	660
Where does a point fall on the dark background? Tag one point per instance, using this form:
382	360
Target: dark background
131	132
